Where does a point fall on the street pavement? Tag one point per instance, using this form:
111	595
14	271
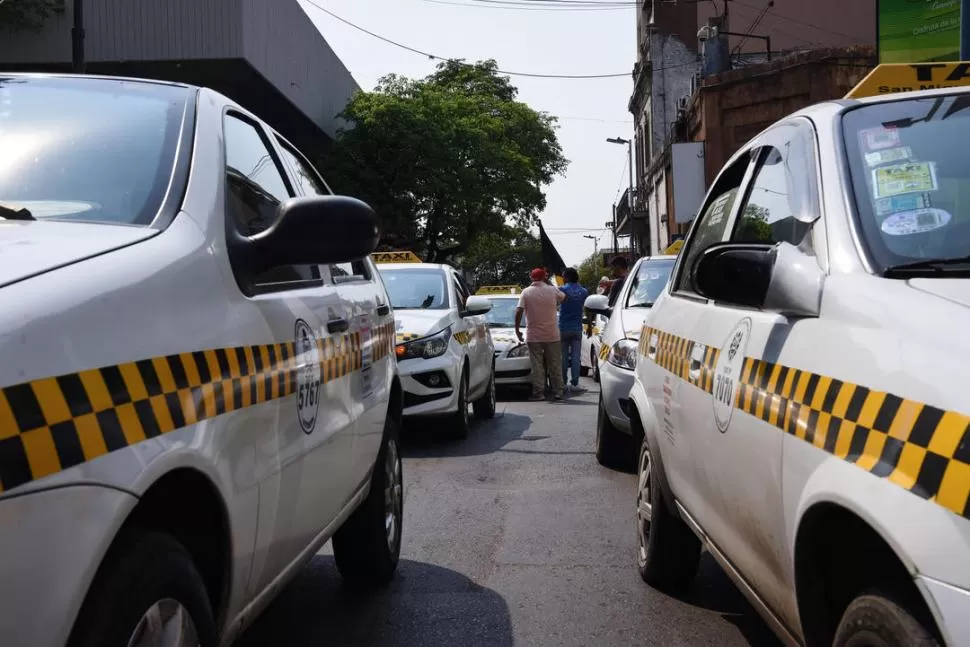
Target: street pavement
515	536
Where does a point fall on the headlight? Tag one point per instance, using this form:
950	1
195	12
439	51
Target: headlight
522	350
427	347
624	354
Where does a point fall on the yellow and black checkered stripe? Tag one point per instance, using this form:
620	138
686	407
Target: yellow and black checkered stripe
382	338
919	447
52	424
463	337
405	337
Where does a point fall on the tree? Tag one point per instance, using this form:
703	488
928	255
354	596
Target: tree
591	271
504	258
447	159
27	14
754	226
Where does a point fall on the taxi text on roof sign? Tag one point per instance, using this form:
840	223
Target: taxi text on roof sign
498	289
396	257
911	77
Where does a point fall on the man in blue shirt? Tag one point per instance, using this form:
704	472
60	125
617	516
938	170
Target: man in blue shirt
571	328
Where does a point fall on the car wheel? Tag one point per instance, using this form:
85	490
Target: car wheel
595	363
146	593
484	407
368	546
873	620
613	447
668	552
461	421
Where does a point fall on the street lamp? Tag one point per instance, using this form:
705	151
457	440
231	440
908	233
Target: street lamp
629	145
596	240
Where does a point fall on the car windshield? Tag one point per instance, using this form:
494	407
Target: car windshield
502	314
648	282
416	289
98	150
911	178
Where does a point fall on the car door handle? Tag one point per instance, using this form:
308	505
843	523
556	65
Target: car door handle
383	310
338	325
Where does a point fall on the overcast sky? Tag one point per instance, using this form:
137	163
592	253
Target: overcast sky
532	41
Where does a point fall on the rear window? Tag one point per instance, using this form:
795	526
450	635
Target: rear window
95	150
911	178
416	289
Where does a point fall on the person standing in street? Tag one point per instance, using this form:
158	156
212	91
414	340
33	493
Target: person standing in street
539	302
620	267
571	328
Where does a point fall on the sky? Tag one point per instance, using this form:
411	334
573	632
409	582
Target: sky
531	40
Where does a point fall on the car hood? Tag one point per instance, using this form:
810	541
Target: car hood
504	338
412	324
28	248
955	290
631	319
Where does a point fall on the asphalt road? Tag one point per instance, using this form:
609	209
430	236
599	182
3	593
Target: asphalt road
515	536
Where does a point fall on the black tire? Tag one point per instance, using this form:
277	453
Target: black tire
140	571
460	421
594	360
365	550
614	449
484	407
668	552
873	620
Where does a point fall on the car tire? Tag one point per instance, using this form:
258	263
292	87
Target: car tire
614	449
876	620
147	585
460	422
668	552
367	547
484	407
595	363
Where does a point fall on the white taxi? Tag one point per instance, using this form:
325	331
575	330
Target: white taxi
802	390
591	345
513	368
618	355
198	387
444	351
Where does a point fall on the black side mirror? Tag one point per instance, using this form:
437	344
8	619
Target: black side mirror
738	274
309	231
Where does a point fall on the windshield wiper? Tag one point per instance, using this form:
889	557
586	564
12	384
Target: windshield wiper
960	265
9	213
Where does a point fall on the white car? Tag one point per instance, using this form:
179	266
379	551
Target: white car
615	446
444	351
591	346
198	387
513	367
802	389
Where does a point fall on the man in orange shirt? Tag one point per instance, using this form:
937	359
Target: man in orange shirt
539	302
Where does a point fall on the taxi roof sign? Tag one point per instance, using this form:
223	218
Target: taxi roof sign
498	289
396	257
891	78
674	247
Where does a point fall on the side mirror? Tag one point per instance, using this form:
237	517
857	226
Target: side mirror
778	278
598	304
475	305
309	231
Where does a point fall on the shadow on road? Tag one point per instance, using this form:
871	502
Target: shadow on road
425	605
430	439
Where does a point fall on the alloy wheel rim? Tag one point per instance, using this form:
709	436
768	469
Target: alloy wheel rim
393	496
165	624
644	507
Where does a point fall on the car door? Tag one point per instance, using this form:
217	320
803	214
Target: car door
305	366
467	335
738	442
362	296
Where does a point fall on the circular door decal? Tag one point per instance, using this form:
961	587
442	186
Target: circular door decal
307	376
727	373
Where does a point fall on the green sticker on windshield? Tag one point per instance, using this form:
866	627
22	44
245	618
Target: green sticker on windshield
911	177
907	202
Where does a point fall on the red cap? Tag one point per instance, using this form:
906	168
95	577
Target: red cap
538	274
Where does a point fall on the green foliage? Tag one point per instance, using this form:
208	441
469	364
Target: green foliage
591	271
504	258
754	226
27	14
448	159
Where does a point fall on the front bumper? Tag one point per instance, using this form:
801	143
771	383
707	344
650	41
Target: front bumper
421	398
512	370
615	385
53	543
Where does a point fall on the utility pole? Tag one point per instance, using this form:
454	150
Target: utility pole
77	38
596	241
613	225
629	146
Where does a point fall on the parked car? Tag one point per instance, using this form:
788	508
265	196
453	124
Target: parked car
801	392
592	343
513	367
444	350
198	387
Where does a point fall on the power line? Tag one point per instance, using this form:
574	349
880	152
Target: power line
443	58
522	6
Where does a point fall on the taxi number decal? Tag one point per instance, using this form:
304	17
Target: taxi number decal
307	376
727	372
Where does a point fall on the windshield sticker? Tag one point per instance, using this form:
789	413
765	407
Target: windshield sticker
875	139
915	222
717	209
907	202
889	155
911	177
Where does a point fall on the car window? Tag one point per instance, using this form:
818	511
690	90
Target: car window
649	282
416	289
911	178
460	293
255	187
306	176
348	272
502	314
711	227
88	149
